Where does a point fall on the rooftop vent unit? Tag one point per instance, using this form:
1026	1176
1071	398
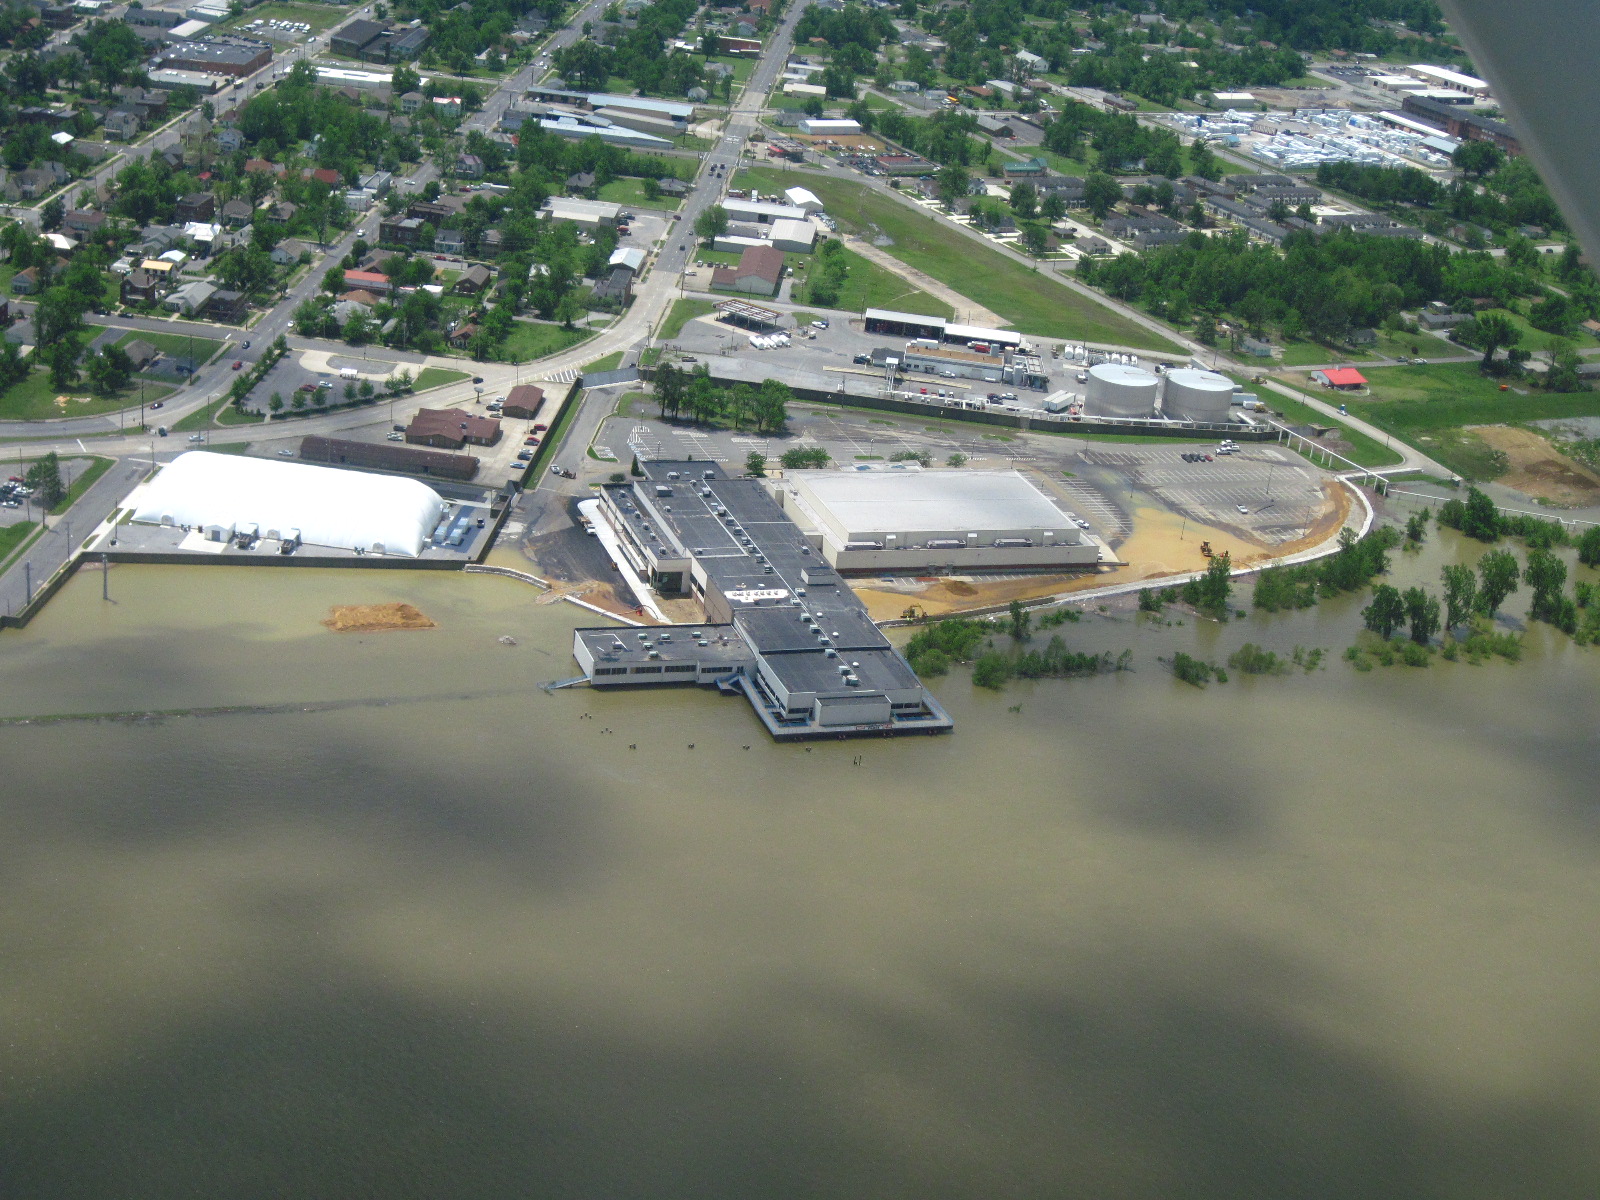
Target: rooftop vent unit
852	681
709	474
844	670
655	654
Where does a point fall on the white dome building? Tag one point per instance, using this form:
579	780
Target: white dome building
325	506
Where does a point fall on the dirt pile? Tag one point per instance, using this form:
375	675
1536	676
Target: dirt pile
375	618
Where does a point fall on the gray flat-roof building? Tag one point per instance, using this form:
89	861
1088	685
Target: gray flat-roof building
782	627
904	519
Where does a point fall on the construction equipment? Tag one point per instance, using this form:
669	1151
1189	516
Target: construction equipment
1206	551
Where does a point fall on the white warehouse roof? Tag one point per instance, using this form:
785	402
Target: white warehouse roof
329	506
871	504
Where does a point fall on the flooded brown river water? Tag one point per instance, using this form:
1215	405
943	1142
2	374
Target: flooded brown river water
433	933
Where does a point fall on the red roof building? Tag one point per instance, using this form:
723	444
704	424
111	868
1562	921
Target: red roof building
1340	377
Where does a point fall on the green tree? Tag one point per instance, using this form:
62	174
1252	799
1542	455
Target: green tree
992	670
1021	621
1497	579
956	460
50	215
952	182
1477	158
1386	613
1101	193
275	405
1422	611
1490	332
1545	576
1589	547
755	463
772	405
712	223
44	477
1024	200
1460	594
1482	519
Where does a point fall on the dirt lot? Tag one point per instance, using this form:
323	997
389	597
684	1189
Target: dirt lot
1538	470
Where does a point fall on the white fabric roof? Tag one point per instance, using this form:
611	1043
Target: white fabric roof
328	505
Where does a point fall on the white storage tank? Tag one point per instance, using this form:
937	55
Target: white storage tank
1115	390
1191	395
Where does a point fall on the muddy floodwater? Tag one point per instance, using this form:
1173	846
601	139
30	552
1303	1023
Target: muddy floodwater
404	925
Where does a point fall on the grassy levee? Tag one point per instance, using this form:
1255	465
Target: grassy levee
1030	300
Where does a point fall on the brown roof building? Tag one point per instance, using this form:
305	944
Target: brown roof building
451	429
523	402
759	272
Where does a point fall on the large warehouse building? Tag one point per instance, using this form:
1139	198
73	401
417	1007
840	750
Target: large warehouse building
225	494
911	520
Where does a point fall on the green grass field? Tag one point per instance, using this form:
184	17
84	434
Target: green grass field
528	341
681	313
608	363
432	377
629	193
867	285
1365	451
12	536
35	400
1029	300
177	345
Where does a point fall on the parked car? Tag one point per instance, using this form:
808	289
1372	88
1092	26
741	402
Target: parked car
395	437
237	363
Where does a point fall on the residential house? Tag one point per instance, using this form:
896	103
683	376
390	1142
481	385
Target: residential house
236	213
344	309
40	181
676	188
469	166
325	175
84	222
141	354
412	101
473	280
197	206
190	299
400	231
450	241
229	140
26	281
122	124
363	298
616	288
451	429
261	166
462	335
491	241
580	182
283	212
287	252
229	307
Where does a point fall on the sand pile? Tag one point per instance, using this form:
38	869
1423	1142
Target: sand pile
375	618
